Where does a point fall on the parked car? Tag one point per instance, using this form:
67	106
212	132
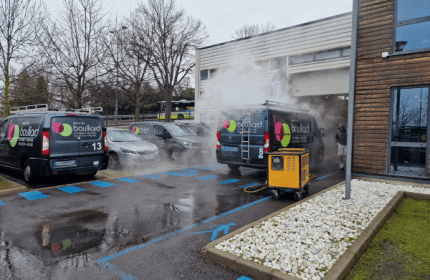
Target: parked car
125	148
173	140
245	135
40	142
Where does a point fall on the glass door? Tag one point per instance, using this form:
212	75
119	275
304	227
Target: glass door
409	131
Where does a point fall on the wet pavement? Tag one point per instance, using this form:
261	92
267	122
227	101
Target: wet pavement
149	226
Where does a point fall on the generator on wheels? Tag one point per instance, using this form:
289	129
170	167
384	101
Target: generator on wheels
288	171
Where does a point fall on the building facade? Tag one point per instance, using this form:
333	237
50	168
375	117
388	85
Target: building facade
310	59
392	84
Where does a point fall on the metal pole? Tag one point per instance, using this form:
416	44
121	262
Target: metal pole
351	99
116	91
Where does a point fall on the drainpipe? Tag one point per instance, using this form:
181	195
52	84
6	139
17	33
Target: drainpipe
351	99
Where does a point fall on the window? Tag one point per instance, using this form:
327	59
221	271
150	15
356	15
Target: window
159	130
412	26
3	128
262	64
212	72
327	55
278	62
409	126
298	59
203	74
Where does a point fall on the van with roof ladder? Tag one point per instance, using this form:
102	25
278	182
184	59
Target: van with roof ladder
246	134
39	141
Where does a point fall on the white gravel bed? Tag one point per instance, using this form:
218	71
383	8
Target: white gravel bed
307	240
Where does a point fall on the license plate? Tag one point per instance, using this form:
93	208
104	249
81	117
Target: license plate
149	157
230	149
96	162
65	163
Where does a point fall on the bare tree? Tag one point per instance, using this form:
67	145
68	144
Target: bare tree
252	29
167	39
130	63
20	21
73	45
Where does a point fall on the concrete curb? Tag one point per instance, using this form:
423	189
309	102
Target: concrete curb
393	181
357	249
16	190
252	269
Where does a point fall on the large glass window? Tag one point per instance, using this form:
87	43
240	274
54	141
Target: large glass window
409	124
412	26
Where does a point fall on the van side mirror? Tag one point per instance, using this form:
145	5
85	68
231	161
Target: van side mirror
322	132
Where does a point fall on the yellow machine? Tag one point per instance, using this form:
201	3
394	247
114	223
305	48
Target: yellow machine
288	171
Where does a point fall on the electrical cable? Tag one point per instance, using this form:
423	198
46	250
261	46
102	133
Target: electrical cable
255	191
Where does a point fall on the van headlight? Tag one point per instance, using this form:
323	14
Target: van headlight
127	151
187	144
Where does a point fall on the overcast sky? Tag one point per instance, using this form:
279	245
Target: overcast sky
223	17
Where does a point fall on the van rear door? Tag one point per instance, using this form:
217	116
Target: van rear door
64	147
89	131
242	136
77	141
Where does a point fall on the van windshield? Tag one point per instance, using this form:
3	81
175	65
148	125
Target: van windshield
122	136
178	131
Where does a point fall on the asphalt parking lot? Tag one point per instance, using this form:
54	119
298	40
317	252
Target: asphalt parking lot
134	224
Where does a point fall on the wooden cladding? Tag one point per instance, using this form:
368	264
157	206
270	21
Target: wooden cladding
375	77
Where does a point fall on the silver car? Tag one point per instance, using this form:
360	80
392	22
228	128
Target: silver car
125	148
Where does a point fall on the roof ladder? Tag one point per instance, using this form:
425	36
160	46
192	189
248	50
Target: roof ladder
246	125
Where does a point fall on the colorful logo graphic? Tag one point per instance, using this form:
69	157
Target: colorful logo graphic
282	132
63	245
230	125
136	130
63	129
13	134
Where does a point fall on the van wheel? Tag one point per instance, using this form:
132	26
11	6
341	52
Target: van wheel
113	161
27	172
175	154
233	167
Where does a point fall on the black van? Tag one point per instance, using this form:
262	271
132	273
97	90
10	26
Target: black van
42	142
245	135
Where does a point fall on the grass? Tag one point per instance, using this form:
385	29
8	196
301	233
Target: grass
6	184
401	249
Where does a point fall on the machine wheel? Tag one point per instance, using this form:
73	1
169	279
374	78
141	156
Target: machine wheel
306	189
175	154
233	167
113	161
180	117
297	196
276	194
27	172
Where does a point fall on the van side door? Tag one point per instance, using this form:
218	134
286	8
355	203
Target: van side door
159	140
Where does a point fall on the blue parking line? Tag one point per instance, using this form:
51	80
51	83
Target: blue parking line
244	278
250	185
102	184
203	168
120	273
2	203
150	176
180	174
33	195
229	181
327	175
204	178
189	170
71	189
128	180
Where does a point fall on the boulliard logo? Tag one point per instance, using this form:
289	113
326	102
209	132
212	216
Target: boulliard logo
230	125
136	130
282	132
13	134
63	129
